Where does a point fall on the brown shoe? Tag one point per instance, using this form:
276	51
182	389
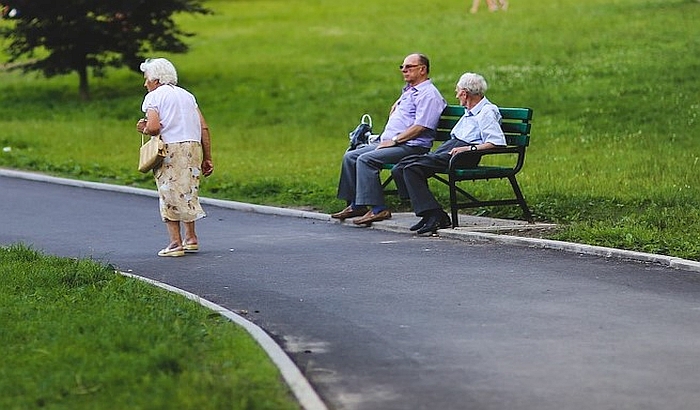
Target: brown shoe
370	217
349	212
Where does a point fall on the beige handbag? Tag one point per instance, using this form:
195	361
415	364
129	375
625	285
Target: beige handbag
151	153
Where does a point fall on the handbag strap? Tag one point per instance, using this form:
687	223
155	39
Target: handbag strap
147	138
367	118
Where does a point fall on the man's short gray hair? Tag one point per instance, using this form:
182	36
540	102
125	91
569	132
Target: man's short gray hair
473	83
159	69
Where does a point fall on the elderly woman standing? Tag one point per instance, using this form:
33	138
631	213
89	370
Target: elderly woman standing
172	112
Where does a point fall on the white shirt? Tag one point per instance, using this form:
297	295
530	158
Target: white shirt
177	109
480	125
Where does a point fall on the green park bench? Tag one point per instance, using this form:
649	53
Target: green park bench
516	125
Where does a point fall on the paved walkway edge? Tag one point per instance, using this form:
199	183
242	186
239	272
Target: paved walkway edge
459	233
670	261
300	386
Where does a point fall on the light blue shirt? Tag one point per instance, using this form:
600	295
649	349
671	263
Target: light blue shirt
480	125
419	105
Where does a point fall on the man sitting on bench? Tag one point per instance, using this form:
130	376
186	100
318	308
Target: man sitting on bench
478	129
410	130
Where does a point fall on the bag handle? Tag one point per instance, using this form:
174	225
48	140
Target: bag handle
366	117
149	137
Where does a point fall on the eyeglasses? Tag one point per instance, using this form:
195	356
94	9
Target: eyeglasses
409	66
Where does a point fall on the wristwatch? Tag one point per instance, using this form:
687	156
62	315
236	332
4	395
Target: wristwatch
395	139
473	148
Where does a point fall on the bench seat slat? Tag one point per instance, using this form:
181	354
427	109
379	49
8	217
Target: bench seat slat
483	172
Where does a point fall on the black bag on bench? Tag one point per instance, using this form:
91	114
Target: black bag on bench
359	137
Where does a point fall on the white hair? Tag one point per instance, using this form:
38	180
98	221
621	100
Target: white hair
159	69
474	84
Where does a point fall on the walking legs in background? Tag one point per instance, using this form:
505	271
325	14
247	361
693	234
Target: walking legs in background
493	5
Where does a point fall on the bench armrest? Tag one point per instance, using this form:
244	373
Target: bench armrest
463	158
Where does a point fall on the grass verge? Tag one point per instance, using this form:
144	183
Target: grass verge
77	335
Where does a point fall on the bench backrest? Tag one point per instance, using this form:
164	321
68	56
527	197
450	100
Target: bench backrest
515	124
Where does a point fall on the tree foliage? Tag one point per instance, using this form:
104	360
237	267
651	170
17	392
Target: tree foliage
60	37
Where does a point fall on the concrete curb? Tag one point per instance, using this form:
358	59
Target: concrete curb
304	393
670	261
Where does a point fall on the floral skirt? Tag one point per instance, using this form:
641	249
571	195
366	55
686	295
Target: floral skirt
177	179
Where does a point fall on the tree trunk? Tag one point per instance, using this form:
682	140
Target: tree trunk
84	88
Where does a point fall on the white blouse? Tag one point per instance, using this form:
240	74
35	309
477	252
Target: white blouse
177	109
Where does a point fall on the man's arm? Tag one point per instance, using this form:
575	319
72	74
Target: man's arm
469	148
412	132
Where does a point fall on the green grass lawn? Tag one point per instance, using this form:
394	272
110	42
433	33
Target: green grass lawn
77	335
613	84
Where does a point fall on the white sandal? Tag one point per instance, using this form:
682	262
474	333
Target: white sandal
190	247
171	252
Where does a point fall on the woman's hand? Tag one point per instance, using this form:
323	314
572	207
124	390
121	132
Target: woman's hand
141	125
207	167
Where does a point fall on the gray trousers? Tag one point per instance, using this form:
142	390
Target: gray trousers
359	175
412	173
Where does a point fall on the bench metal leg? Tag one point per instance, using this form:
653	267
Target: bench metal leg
386	183
453	202
460	190
521	199
455	206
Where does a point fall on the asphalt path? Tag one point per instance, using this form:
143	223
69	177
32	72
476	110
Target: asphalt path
388	320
